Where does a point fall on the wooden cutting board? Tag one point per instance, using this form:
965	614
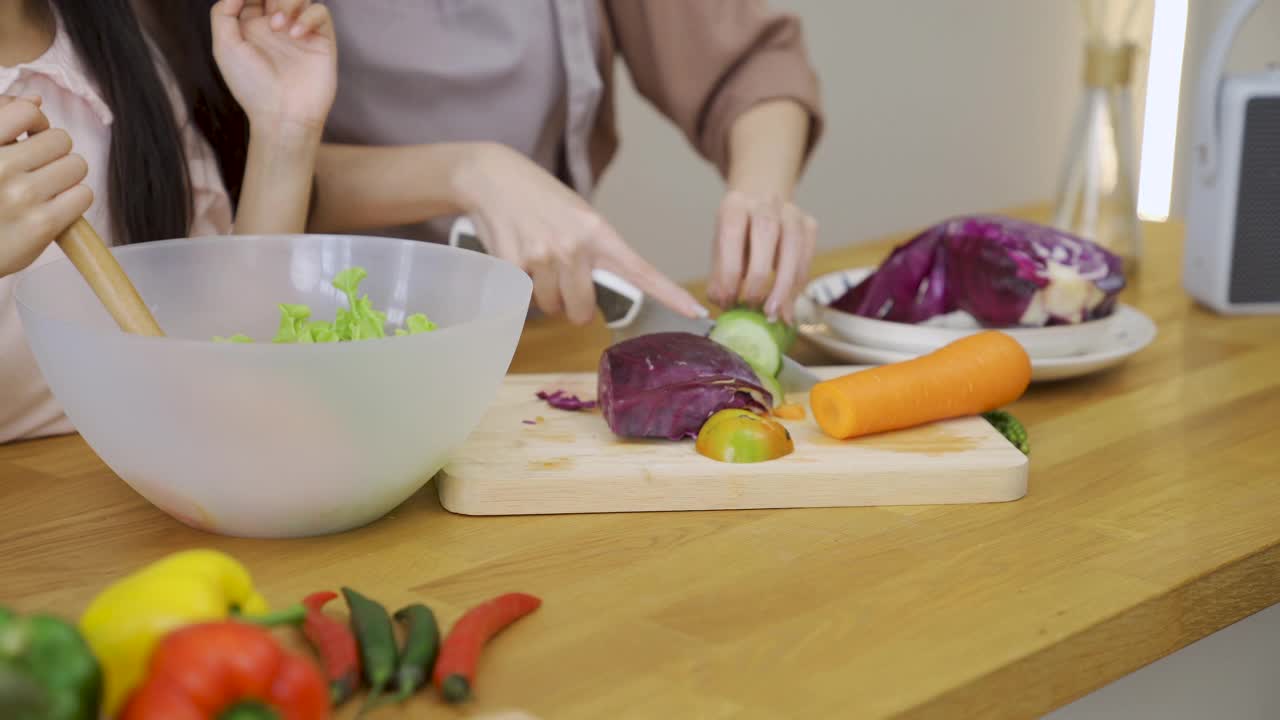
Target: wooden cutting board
570	462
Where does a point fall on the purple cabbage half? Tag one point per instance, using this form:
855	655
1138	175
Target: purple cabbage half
1004	272
666	385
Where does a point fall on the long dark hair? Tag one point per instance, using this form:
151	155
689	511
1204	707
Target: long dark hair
149	191
180	28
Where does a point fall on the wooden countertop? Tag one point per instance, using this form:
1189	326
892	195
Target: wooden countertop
1150	523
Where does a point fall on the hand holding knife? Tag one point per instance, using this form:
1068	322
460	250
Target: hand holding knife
627	313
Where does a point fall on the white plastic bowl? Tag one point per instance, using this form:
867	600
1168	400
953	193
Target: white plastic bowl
1055	341
269	440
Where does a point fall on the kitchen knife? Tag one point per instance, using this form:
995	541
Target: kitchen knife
628	315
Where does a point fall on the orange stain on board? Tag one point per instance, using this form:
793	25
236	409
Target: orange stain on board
555	463
930	439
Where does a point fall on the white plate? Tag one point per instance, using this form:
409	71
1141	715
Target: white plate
1130	332
1045	342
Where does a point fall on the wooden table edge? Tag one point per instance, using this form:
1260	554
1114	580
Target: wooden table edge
1082	662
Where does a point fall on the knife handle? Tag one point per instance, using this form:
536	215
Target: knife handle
619	301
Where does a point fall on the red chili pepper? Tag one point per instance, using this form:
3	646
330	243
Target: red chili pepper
336	645
455	670
227	669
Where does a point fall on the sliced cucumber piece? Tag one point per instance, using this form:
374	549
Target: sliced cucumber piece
783	334
773	387
748	335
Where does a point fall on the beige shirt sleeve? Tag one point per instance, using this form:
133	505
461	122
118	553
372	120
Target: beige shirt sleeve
703	62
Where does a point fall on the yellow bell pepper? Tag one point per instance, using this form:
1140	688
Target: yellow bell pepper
124	623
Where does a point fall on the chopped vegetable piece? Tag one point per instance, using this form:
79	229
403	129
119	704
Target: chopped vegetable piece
1011	428
739	436
561	400
377	641
336	645
972	375
748	333
418	323
357	321
529	422
1004	272
455	670
784	335
666	385
773	387
292	320
421	645
790	411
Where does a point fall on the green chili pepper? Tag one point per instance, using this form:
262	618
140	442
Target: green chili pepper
377	640
421	644
47	671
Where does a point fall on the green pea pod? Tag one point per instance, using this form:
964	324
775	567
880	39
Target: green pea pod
377	640
422	643
47	671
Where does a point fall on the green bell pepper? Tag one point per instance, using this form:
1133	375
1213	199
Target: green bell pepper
47	671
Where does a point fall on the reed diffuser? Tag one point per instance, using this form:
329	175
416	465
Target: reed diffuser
1097	192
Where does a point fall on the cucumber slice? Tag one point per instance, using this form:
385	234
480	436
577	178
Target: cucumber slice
784	335
773	387
748	334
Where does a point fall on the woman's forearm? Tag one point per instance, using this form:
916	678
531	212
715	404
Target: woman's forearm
766	148
363	188
279	170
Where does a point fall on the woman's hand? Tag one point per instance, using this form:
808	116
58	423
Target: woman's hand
279	58
764	243
526	216
40	190
762	253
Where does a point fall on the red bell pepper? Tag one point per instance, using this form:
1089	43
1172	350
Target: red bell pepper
227	670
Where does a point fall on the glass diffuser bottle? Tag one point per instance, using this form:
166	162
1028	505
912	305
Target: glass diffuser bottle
1097	192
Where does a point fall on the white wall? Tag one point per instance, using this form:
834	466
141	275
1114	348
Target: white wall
934	107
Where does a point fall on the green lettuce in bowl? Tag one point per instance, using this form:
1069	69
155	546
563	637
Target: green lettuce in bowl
357	321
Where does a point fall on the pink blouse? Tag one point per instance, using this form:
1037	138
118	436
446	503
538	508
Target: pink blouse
71	102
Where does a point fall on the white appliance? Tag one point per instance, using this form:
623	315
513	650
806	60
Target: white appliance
1232	260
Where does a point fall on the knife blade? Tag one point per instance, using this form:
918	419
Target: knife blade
628	315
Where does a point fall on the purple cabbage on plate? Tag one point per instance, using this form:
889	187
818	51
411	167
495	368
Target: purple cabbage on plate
666	385
1004	272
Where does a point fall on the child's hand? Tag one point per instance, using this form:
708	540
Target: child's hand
40	190
279	58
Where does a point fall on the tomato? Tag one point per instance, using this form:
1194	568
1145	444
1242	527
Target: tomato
741	436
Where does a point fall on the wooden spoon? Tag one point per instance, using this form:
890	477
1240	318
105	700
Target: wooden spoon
85	249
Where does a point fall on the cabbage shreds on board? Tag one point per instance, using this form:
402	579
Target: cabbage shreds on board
562	400
666	385
1004	272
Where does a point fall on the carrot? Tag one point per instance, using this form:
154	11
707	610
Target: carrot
969	376
790	411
